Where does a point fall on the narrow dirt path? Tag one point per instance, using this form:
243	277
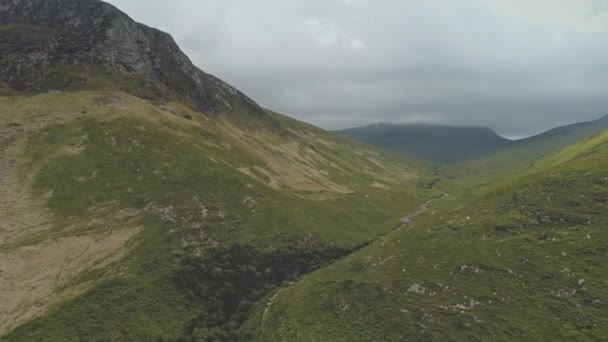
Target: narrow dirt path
423	209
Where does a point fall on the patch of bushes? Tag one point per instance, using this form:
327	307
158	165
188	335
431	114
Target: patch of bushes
226	282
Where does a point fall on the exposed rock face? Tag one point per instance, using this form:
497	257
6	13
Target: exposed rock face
58	44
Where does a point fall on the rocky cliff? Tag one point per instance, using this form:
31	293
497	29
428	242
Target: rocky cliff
74	44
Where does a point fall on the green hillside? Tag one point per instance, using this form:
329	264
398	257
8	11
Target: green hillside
521	155
113	195
519	259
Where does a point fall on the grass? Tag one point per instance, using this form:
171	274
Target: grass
520	258
178	172
514	252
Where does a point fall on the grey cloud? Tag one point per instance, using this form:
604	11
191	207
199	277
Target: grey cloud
341	63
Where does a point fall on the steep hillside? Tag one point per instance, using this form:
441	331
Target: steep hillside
108	194
76	44
440	144
142	198
520	259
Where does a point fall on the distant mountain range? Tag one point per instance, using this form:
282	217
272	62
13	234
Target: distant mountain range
450	144
430	142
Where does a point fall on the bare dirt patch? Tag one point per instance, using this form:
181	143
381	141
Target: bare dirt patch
34	277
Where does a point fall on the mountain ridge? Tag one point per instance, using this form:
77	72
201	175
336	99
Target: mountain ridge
589	125
41	39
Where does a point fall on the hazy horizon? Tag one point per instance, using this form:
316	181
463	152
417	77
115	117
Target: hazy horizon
509	137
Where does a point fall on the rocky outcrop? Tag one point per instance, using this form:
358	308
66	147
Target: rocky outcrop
59	44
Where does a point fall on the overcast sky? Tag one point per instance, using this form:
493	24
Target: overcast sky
517	66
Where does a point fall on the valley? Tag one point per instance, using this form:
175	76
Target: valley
142	199
482	261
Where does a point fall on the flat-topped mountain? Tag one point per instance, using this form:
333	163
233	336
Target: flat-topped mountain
430	142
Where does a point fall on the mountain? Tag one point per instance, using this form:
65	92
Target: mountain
447	144
86	44
430	142
142	198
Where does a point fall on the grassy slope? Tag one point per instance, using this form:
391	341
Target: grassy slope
520	258
189	182
522	155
